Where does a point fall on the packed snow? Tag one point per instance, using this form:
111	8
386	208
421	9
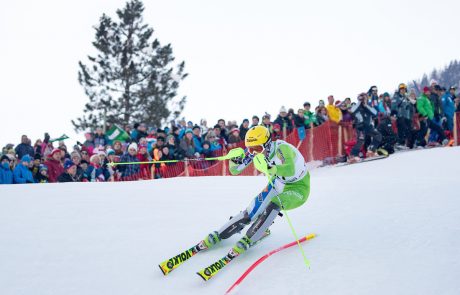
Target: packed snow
385	227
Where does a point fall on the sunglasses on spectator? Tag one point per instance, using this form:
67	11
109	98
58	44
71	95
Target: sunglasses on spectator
212	137
258	149
84	153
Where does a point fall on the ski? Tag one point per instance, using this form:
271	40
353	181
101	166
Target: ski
361	161
174	262
210	271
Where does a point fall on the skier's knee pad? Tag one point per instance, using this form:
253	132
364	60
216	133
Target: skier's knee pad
263	222
234	225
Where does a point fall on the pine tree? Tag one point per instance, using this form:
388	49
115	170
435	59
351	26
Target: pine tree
132	79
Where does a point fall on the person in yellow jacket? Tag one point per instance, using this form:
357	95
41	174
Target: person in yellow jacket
335	114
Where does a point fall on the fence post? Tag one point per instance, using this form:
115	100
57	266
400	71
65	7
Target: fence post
224	168
310	151
187	174
339	142
455	130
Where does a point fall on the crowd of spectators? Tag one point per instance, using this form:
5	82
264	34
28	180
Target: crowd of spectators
373	115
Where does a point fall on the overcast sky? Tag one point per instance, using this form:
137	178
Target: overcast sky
243	57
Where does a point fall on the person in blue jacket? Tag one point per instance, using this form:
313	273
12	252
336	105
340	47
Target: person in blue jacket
6	175
21	173
448	107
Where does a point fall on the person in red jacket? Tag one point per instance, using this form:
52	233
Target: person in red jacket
54	165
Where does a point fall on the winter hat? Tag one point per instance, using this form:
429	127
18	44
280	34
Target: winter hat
133	145
5	157
283	109
160	138
54	151
276	126
188	131
37	157
337	103
68	164
42	167
110	152
247	120
196	127
433	81
84	162
306	104
386	94
207	142
26	158
235	130
426	89
75	154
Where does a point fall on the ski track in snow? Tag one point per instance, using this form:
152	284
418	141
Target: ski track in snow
385	227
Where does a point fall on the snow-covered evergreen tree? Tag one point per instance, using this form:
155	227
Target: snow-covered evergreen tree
132	78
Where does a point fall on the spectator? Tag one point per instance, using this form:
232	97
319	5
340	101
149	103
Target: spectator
21	173
389	138
333	112
118	148
84	166
24	148
6	175
403	108
112	169
234	138
70	172
38	147
42	176
130	171
299	118
197	138
187	145
219	138
223	129
321	103
345	107
85	155
36	165
448	106
213	141
283	120
455	98
99	138
139	132
76	159
207	152
143	156
54	165
436	103
244	127
95	173
173	146
47	146
255	121
373	97
321	115
266	122
276	134
204	126
363	119
89	141
425	110
310	117
384	107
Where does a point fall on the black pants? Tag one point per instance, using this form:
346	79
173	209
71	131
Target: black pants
424	125
404	131
361	137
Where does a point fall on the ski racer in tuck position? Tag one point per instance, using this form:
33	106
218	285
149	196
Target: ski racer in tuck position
288	189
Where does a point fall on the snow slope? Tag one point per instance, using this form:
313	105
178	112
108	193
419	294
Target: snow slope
386	227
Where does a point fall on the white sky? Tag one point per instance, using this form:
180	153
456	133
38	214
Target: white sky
243	57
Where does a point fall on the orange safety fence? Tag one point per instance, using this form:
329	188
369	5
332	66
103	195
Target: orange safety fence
325	141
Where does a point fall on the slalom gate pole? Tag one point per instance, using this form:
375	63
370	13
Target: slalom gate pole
263	258
170	161
305	260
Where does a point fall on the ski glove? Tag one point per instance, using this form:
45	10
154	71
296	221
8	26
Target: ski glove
237	154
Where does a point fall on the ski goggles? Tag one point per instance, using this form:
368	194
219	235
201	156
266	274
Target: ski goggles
257	149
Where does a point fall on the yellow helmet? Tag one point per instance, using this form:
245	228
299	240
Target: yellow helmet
257	135
402	85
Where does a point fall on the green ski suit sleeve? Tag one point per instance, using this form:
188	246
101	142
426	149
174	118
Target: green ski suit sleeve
288	167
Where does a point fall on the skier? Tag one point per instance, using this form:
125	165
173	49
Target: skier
288	189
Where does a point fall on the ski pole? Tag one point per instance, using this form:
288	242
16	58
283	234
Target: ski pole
307	262
222	158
